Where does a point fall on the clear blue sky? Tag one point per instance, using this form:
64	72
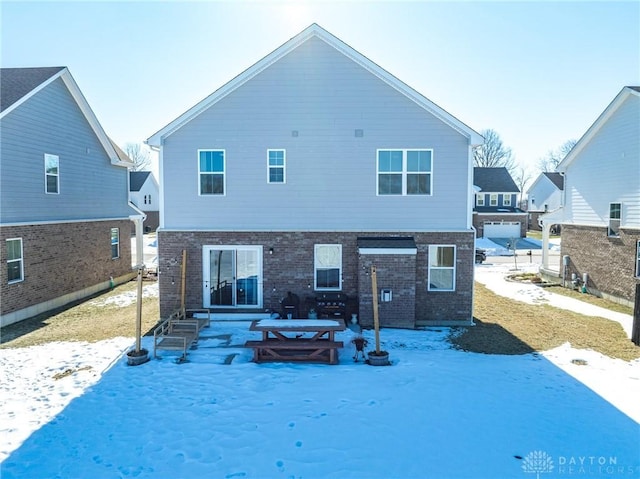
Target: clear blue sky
539	73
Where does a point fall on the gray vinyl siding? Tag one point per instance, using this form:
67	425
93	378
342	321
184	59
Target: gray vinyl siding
607	171
90	186
330	173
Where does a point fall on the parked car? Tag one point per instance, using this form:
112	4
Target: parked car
481	255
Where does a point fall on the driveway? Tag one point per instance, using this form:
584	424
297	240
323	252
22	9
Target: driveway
522	243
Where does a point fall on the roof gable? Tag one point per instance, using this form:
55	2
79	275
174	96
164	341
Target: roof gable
494	180
137	179
617	102
556	178
315	31
22	83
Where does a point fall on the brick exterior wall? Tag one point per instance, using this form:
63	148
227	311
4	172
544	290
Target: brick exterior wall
478	222
61	259
609	262
291	268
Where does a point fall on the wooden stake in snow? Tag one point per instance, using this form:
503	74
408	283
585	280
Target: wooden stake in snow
376	322
184	278
139	311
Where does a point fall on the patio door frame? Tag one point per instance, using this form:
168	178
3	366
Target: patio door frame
206	275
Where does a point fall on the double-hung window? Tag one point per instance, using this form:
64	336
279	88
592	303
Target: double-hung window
51	174
506	200
404	172
15	264
211	170
442	268
480	199
615	214
115	243
276	166
493	199
328	267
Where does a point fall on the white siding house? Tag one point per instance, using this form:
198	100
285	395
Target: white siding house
544	195
283	179
601	214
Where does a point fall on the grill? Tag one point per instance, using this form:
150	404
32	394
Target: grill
331	305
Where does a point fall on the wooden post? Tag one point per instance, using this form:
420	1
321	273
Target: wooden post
183	281
376	321
635	331
139	308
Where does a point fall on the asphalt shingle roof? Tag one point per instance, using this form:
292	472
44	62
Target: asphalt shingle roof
15	83
557	179
137	179
496	180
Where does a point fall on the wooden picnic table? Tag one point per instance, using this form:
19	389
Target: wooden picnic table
305	340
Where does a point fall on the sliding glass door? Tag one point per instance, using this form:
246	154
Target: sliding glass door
232	276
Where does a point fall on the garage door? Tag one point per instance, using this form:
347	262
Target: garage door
502	229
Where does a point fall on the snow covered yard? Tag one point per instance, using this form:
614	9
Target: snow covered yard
76	410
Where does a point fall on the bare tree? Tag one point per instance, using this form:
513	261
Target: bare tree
521	176
139	155
552	159
493	153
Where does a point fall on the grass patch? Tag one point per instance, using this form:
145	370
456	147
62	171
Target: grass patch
84	321
538	235
506	326
591	299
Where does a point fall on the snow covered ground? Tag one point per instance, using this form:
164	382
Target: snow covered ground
76	410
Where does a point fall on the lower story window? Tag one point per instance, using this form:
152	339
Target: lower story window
115	243
15	268
442	268
328	267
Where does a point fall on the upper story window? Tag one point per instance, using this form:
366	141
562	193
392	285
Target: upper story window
51	174
480	200
15	264
276	166
506	200
615	215
404	172
211	169
493	199
115	243
442	268
328	267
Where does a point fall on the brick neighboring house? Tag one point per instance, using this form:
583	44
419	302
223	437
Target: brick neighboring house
496	213
144	192
544	196
301	173
600	216
65	220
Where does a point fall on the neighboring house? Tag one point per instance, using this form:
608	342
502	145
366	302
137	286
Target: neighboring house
65	220
496	213
601	214
144	192
544	196
304	171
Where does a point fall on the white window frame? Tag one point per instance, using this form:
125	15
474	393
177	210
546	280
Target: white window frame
479	199
318	267
506	199
222	173
433	250
638	259
614	222
15	260
117	242
405	172
283	167
493	199
47	175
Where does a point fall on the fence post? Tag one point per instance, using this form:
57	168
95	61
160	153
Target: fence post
635	331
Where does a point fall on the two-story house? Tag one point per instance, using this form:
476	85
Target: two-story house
600	217
544	196
144	193
65	219
496	213
304	171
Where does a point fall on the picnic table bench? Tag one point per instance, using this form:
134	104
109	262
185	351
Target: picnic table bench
303	340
